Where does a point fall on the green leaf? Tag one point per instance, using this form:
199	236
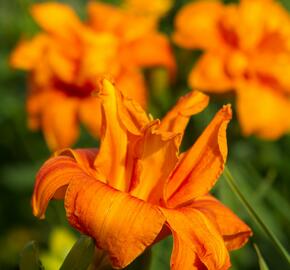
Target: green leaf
29	257
232	184
261	260
81	255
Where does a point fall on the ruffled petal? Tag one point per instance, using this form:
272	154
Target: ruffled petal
64	22
196	25
60	122
197	243
55	175
210	74
262	110
111	160
200	167
177	118
157	157
234	231
98	210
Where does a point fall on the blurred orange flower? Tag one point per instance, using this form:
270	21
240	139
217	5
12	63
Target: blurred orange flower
247	48
137	189
67	58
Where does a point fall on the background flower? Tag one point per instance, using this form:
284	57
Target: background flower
247	51
66	60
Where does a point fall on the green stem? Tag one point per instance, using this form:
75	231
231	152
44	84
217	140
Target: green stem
231	182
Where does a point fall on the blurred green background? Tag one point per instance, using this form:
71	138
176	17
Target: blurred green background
261	168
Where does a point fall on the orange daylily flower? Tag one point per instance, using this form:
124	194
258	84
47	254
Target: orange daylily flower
138	168
246	50
66	60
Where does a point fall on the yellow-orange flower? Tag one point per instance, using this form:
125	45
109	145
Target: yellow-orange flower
137	189
247	49
67	58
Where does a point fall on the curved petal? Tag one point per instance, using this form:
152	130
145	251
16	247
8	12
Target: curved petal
111	160
196	25
98	210
157	157
177	118
60	123
200	167
56	173
90	114
84	158
132	115
152	50
28	52
183	256
196	241
234	231
209	74
262	110
64	21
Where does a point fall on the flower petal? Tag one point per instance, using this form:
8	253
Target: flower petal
157	157
28	52
132	84
195	236
98	210
127	25
210	74
90	113
152	50
200	167
60	123
64	20
234	231
177	118
183	256
111	160
56	173
196	25
262	110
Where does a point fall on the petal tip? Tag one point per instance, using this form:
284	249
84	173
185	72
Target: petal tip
227	111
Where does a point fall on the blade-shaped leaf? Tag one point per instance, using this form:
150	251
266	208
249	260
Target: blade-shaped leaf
262	262
80	256
29	257
232	184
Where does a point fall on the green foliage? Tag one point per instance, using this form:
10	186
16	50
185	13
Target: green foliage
261	260
80	256
29	258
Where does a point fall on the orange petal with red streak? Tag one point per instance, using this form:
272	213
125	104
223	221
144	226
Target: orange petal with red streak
56	173
200	167
234	231
197	241
98	210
